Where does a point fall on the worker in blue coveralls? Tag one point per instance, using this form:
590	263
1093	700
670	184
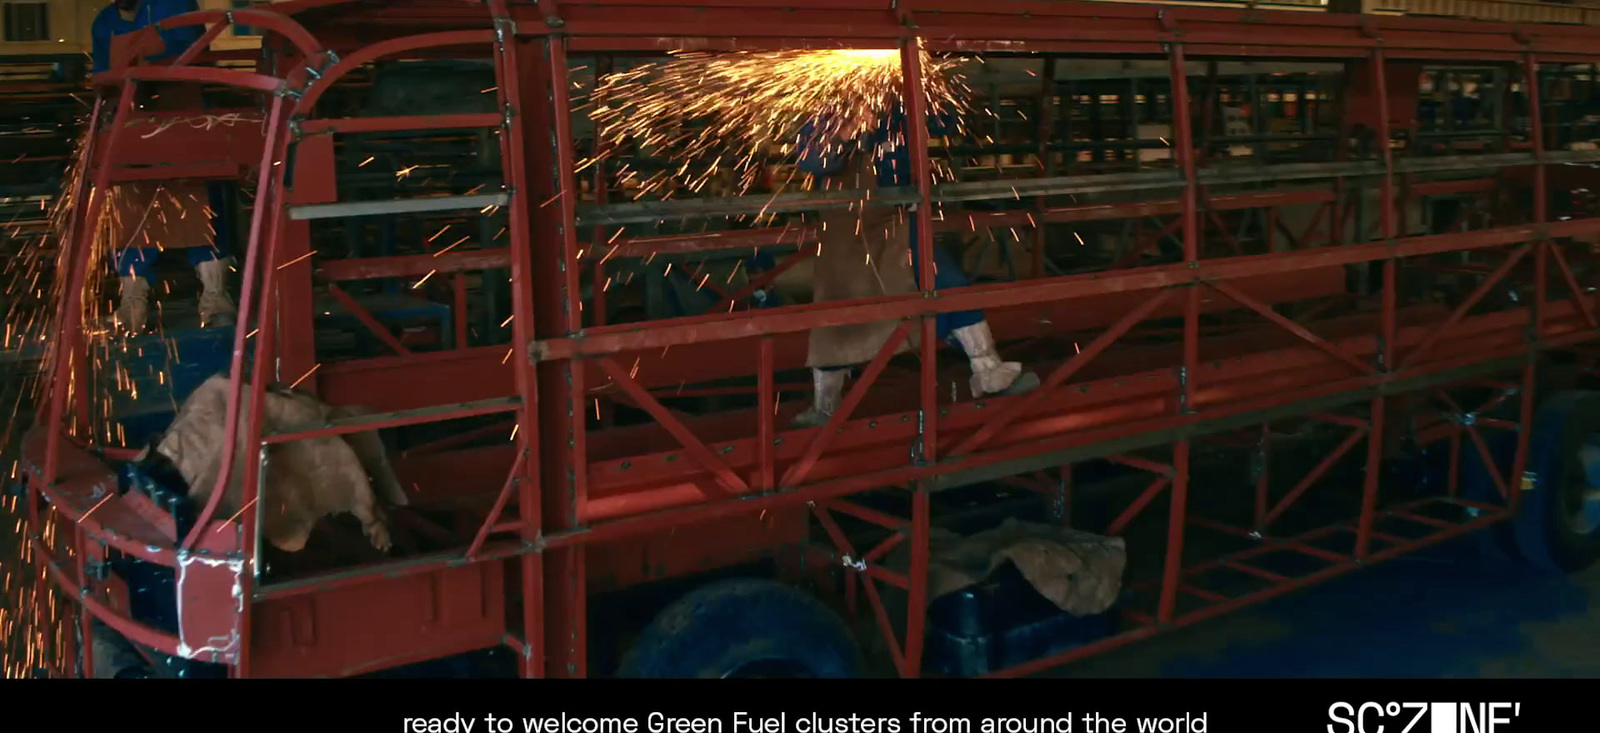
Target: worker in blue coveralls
157	214
871	251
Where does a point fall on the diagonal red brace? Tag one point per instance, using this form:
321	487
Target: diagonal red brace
692	445
1311	477
1148	495
500	501
1234	294
1146	244
1483	448
766	278
1020	406
1460	312
824	437
1572	286
367	319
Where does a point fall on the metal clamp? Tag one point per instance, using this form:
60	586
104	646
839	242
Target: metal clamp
854	564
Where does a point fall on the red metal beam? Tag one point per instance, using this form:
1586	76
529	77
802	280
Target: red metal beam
612	339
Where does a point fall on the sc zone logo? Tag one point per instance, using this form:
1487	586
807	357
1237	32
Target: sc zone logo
1443	717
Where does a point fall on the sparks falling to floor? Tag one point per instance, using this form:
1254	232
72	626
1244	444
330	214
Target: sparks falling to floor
34	632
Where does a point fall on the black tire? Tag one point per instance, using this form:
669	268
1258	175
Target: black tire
744	627
1557	528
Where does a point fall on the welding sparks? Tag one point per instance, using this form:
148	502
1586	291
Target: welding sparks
721	116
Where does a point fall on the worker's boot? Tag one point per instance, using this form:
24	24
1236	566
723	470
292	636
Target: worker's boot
828	393
134	311
990	375
216	308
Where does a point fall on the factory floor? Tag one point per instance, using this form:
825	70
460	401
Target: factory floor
1443	614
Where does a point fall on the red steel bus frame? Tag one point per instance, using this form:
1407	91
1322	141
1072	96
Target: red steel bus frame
573	493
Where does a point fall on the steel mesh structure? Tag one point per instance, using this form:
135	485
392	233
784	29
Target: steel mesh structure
1147	362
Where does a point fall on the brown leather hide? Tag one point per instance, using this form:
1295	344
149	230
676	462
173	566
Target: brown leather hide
863	254
304	480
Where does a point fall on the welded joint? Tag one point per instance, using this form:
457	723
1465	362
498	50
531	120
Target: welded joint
1369	30
1183	390
904	15
503	28
1169	23
919	447
96	569
551	12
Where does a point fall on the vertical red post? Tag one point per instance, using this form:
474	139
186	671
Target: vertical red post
522	116
1541	198
541	140
1184	132
1380	86
1541	194
1386	206
294	307
1338	211
1047	159
766	419
601	193
1172	570
1519	464
264	250
1171	576
917	585
1541	213
80	545
1369	489
922	178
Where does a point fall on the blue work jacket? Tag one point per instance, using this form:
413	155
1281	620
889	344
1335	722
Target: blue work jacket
110	23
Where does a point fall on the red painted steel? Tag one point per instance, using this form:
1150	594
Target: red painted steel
595	508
